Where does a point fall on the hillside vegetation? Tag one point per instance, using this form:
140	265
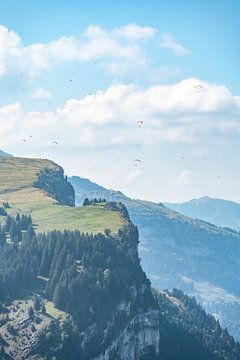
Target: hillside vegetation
73	295
18	178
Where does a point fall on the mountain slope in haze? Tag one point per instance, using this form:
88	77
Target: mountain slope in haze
190	254
3	153
182	318
220	212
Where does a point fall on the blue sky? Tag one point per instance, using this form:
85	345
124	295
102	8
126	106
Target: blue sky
69	66
209	28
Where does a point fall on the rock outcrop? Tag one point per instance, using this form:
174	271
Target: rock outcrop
139	338
56	185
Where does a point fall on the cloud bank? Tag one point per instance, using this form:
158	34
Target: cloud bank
116	50
99	135
168	42
172	113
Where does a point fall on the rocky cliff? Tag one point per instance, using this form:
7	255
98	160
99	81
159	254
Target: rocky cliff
139	339
56	185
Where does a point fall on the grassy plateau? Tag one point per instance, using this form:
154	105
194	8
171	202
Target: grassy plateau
17	177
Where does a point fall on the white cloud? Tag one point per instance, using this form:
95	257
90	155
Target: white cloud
168	42
186	178
120	46
201	153
98	135
118	51
133	31
41	94
174	113
9	45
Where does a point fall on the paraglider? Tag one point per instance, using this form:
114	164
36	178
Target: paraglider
198	87
137	162
71	80
140	123
54	143
23	141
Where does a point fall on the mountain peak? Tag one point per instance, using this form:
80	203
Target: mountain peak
223	213
203	198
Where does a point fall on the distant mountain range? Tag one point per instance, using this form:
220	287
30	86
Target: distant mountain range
3	153
178	251
220	212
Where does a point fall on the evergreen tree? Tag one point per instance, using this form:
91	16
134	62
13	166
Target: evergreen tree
30	233
36	303
86	202
3	212
31	312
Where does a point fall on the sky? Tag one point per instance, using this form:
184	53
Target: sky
138	96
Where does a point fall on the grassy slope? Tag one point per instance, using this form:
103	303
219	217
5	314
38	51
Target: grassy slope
17	176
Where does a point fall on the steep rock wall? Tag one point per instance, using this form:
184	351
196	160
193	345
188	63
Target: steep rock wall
138	339
56	185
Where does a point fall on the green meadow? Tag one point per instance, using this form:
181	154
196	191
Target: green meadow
17	176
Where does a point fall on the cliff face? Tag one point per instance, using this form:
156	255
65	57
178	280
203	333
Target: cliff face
139	339
132	329
121	315
56	185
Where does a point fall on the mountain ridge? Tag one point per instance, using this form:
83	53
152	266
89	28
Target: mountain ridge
224	213
3	153
174	247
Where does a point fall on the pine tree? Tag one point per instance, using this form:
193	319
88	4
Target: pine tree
86	202
36	303
30	233
31	312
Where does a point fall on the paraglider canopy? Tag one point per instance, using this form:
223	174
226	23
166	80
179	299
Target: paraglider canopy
198	86
137	162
